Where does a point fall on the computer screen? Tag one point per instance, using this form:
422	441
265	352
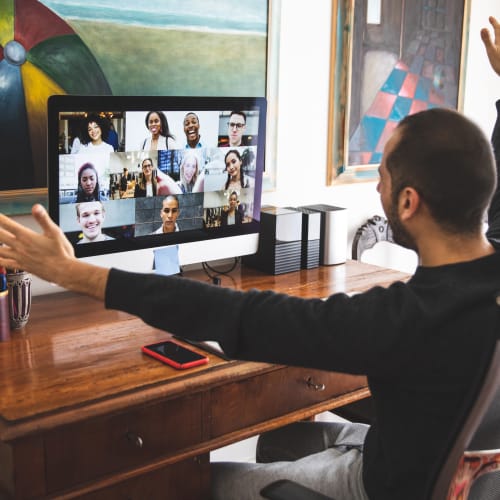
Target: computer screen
136	172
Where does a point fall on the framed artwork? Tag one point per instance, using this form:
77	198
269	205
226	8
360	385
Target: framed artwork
173	47
389	59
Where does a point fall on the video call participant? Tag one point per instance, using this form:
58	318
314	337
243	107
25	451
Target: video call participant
75	133
232	214
125	178
90	217
169	213
113	138
192	130
189	173
422	343
161	137
147	184
236	178
97	133
88	184
236	127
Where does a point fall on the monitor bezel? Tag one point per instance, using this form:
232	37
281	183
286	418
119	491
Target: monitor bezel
74	103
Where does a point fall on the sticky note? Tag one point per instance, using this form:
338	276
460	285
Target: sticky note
166	260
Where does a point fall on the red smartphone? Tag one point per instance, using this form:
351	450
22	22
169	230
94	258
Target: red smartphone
174	354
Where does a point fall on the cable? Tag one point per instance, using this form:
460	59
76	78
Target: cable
213	273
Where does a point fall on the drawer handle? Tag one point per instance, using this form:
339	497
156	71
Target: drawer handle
135	439
313	385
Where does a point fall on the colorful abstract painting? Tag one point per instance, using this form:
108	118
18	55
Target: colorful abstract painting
130	47
401	57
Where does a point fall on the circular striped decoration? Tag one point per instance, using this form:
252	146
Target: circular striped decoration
40	55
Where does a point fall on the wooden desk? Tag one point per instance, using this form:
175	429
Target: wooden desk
83	413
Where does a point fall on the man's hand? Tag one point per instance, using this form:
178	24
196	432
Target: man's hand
34	252
48	255
492	47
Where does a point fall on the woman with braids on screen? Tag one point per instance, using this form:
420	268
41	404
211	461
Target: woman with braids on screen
236	178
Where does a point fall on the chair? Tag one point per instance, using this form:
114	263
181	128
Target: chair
374	243
374	230
487	486
461	467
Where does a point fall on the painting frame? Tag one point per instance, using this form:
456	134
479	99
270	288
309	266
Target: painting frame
339	170
16	202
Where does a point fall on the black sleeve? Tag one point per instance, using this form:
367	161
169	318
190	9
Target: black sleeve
336	333
178	305
494	209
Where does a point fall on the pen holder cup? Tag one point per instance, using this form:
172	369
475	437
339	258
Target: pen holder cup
19	286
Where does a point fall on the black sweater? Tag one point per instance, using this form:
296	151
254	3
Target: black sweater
422	344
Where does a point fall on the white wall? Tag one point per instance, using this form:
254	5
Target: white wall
303	117
303	106
303	110
482	85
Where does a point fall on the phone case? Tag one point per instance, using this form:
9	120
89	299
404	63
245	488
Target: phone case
200	359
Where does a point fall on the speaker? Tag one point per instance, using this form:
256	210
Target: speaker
311	237
333	237
280	241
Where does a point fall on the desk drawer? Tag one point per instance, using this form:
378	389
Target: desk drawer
186	480
274	394
87	450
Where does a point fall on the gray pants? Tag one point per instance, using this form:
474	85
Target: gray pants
325	456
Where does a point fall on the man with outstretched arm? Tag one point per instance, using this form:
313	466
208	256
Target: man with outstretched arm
423	345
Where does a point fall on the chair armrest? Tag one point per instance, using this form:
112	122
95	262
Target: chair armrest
284	489
481	453
480	462
473	464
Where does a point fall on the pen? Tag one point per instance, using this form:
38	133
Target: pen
3	279
4	307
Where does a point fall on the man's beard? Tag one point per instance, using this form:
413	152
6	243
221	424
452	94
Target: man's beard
399	233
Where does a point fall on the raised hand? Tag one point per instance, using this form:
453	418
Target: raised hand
492	47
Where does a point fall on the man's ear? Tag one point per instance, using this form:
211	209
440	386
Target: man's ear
408	203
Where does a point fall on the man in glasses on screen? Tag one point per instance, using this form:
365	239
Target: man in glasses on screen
236	128
169	213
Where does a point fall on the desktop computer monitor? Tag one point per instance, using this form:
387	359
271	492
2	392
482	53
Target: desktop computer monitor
128	174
